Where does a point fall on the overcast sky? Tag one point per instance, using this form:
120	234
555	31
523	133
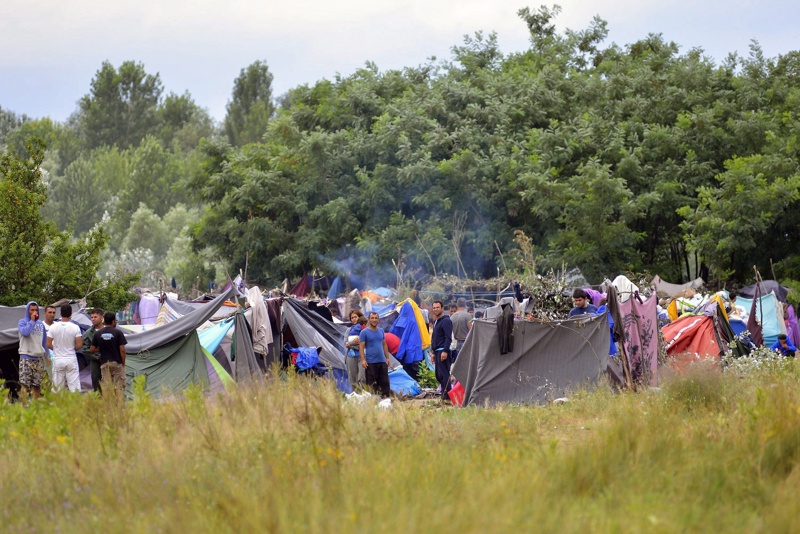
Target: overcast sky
51	49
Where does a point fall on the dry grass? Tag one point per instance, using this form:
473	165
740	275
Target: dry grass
708	451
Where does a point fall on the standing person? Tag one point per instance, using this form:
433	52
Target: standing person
375	356
96	316
49	316
64	338
32	343
440	341
110	343
582	306
355	373
462	322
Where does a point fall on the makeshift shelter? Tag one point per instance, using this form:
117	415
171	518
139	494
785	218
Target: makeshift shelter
547	359
666	289
706	336
765	287
769	314
171	356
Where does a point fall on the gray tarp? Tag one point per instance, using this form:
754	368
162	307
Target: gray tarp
547	360
245	367
310	329
672	290
156	337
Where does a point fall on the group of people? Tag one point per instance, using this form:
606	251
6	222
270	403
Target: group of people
103	345
370	349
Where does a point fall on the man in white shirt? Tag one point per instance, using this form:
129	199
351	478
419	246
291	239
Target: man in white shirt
64	338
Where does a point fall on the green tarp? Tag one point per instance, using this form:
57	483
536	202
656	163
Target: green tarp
170	368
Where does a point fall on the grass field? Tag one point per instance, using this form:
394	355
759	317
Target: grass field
708	452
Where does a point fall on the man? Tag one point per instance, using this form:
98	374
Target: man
94	358
64	338
375	356
32	342
110	343
462	322
49	316
441	338
784	346
582	305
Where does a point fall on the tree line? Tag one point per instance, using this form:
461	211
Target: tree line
610	158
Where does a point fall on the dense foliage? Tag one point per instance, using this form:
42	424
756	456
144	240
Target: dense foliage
610	158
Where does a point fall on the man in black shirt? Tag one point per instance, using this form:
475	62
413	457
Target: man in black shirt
110	343
441	339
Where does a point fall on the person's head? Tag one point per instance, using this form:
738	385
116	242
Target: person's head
437	308
580	297
362	320
453	308
373	319
355	315
414	295
50	314
732	296
479	314
782	339
66	311
109	319
33	311
461	303
96	316
471	311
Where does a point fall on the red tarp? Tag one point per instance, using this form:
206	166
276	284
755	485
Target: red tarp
692	338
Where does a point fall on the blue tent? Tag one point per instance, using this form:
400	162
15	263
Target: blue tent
407	329
402	384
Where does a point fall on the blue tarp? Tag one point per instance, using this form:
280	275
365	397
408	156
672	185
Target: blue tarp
402	384
307	357
407	329
771	327
337	287
737	325
210	338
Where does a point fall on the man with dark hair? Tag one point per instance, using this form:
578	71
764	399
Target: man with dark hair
64	338
110	343
49	316
582	304
96	316
375	357
784	346
32	345
441	338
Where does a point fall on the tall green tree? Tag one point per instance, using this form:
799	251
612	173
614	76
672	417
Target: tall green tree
251	106
121	107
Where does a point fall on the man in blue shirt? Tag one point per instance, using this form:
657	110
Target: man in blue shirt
375	356
582	305
784	346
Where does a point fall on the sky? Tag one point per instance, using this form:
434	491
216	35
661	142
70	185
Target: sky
51	49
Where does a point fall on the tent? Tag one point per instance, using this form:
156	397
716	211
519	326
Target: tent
766	287
171	357
548	358
769	312
674	290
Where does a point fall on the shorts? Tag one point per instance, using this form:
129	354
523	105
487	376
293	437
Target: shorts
115	372
31	372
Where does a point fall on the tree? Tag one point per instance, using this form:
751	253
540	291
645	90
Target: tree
36	261
121	108
250	107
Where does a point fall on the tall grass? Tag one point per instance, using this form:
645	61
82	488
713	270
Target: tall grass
708	451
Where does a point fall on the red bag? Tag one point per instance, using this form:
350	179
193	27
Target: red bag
456	394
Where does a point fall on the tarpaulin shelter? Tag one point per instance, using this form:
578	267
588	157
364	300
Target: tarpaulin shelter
407	329
171	356
706	336
547	360
674	290
765	287
769	313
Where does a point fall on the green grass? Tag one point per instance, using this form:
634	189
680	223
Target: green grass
706	452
